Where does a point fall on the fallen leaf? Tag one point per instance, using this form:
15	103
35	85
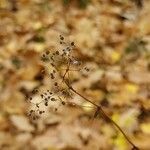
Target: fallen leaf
21	123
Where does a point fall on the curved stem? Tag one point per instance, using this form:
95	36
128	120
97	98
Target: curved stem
100	109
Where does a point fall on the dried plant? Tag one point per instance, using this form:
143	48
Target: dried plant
61	63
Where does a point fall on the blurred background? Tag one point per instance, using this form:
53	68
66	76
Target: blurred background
111	36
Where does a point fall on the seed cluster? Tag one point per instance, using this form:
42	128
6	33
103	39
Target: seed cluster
62	62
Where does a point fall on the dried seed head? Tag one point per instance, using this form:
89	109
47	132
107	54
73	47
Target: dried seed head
58	59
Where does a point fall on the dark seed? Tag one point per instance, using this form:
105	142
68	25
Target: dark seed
52	64
63	103
57	52
43	55
29	114
34	117
35	91
72	43
87	70
64	53
68	48
31	111
61	37
40	112
45	93
47	52
56	84
52	76
53	99
52	58
30	98
46	103
42	95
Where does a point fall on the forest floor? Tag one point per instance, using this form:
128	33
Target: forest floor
111	36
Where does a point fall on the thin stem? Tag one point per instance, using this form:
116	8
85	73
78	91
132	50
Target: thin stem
66	70
71	88
70	69
100	109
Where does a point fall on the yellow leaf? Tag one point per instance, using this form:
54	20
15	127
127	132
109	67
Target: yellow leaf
115	56
87	106
115	117
129	121
120	142
39	47
132	88
145	127
37	25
